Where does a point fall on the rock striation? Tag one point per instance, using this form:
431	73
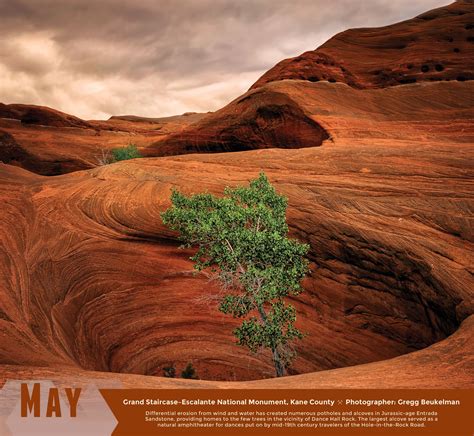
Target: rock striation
380	184
435	46
92	279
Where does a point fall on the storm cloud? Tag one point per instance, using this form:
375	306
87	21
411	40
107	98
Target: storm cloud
164	57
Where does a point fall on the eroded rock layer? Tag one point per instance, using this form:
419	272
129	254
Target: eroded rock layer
334	112
446	365
50	142
257	120
435	46
40	115
92	279
379	182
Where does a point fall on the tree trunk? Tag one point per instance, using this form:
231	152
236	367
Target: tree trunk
279	367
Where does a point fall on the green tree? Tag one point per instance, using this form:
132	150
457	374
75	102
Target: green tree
242	237
125	153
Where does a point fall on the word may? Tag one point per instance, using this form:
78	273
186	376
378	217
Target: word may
32	402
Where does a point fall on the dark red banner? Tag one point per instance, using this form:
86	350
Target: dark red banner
292	412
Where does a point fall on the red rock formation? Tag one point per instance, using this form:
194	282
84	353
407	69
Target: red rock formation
50	142
98	282
445	365
334	111
257	120
435	46
42	116
12	153
91	280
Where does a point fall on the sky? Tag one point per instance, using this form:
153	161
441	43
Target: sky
157	58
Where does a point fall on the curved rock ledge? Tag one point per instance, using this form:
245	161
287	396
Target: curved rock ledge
432	47
448	364
91	279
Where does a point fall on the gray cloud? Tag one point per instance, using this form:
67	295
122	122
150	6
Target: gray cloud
157	58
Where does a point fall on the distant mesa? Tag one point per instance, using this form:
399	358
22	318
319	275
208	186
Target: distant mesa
138	119
41	116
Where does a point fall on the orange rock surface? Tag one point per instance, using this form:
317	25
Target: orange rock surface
379	182
445	365
435	46
50	142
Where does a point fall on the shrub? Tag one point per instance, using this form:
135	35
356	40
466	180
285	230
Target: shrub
104	157
189	372
169	371
125	153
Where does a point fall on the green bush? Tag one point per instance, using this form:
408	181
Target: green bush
125	153
189	372
169	371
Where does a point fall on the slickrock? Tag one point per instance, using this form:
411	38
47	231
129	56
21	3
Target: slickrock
435	46
380	184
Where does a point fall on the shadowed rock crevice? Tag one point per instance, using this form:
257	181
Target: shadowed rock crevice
391	292
11	152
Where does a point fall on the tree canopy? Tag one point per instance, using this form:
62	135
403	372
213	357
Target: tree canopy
242	237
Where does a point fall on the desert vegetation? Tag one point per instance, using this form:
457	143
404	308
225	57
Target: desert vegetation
242	239
105	157
189	372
